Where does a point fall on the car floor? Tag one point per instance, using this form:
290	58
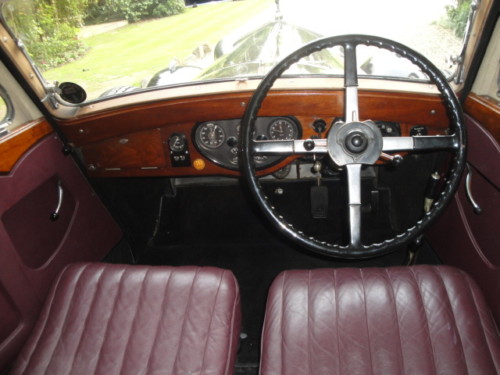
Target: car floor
218	226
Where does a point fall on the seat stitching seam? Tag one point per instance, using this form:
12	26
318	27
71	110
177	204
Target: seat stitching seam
131	329
335	295
94	297
480	319
63	327
366	319
110	319
210	324
397	318
51	304
233	317
309	333
453	313
179	346
281	323
158	325
426	318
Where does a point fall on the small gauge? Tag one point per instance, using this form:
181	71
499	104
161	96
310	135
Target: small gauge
212	135
282	129
283	172
177	142
260	159
234	155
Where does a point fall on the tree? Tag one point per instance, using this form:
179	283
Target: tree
458	15
48	28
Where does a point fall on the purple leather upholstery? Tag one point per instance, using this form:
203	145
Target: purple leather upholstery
116	319
406	320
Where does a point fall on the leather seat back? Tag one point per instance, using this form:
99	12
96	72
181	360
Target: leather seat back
116	319
406	320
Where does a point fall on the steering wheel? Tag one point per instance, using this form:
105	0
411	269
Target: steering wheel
352	143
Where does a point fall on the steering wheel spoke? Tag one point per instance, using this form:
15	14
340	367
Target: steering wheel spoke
290	147
422	143
351	83
354	188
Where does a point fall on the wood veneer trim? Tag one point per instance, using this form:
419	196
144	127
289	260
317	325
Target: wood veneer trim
486	111
401	107
14	145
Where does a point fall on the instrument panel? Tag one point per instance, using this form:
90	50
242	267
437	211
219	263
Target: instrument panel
199	136
218	141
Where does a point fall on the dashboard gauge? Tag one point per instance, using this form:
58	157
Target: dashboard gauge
177	142
233	155
259	159
283	172
282	129
212	135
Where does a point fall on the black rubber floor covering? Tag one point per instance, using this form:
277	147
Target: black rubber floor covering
219	226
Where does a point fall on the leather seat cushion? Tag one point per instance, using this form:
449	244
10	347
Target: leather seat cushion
405	320
117	319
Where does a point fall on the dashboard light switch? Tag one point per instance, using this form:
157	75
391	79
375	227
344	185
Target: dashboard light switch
199	164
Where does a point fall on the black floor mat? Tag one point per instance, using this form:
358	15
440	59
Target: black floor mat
220	226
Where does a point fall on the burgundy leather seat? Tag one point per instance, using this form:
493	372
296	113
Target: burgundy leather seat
116	319
407	320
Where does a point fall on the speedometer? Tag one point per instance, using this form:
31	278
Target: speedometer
282	129
211	135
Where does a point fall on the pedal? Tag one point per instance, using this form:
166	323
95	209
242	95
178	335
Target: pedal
319	202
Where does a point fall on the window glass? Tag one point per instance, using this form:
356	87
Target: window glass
3	110
5	113
114	47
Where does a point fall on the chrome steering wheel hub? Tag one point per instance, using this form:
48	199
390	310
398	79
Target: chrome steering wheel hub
354	143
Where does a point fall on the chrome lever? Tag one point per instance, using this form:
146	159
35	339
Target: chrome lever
468	190
60	194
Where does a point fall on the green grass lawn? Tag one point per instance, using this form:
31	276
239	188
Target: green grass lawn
3	109
127	55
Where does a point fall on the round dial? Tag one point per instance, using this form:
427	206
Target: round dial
212	135
177	142
282	129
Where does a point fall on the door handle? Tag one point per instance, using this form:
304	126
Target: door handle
468	190
60	195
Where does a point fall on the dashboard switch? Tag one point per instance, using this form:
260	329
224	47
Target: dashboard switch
199	164
418	130
309	145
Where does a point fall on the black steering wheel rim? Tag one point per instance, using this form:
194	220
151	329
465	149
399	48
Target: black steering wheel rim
457	162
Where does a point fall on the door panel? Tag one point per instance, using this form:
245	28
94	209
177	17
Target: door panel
34	248
465	238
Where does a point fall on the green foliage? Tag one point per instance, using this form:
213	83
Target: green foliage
102	11
131	10
48	28
457	16
146	9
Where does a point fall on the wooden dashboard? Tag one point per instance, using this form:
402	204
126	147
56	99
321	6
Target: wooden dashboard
134	141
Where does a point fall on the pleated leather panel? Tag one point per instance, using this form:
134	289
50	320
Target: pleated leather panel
407	320
116	319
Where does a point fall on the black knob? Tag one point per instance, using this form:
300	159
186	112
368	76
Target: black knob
232	141
309	145
319	126
261	137
356	142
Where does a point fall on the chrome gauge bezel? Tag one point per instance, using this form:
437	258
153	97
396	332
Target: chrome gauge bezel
203	139
282	125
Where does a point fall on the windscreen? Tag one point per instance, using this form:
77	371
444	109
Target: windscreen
114	47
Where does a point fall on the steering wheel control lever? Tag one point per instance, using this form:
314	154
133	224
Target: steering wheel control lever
394	159
353	143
